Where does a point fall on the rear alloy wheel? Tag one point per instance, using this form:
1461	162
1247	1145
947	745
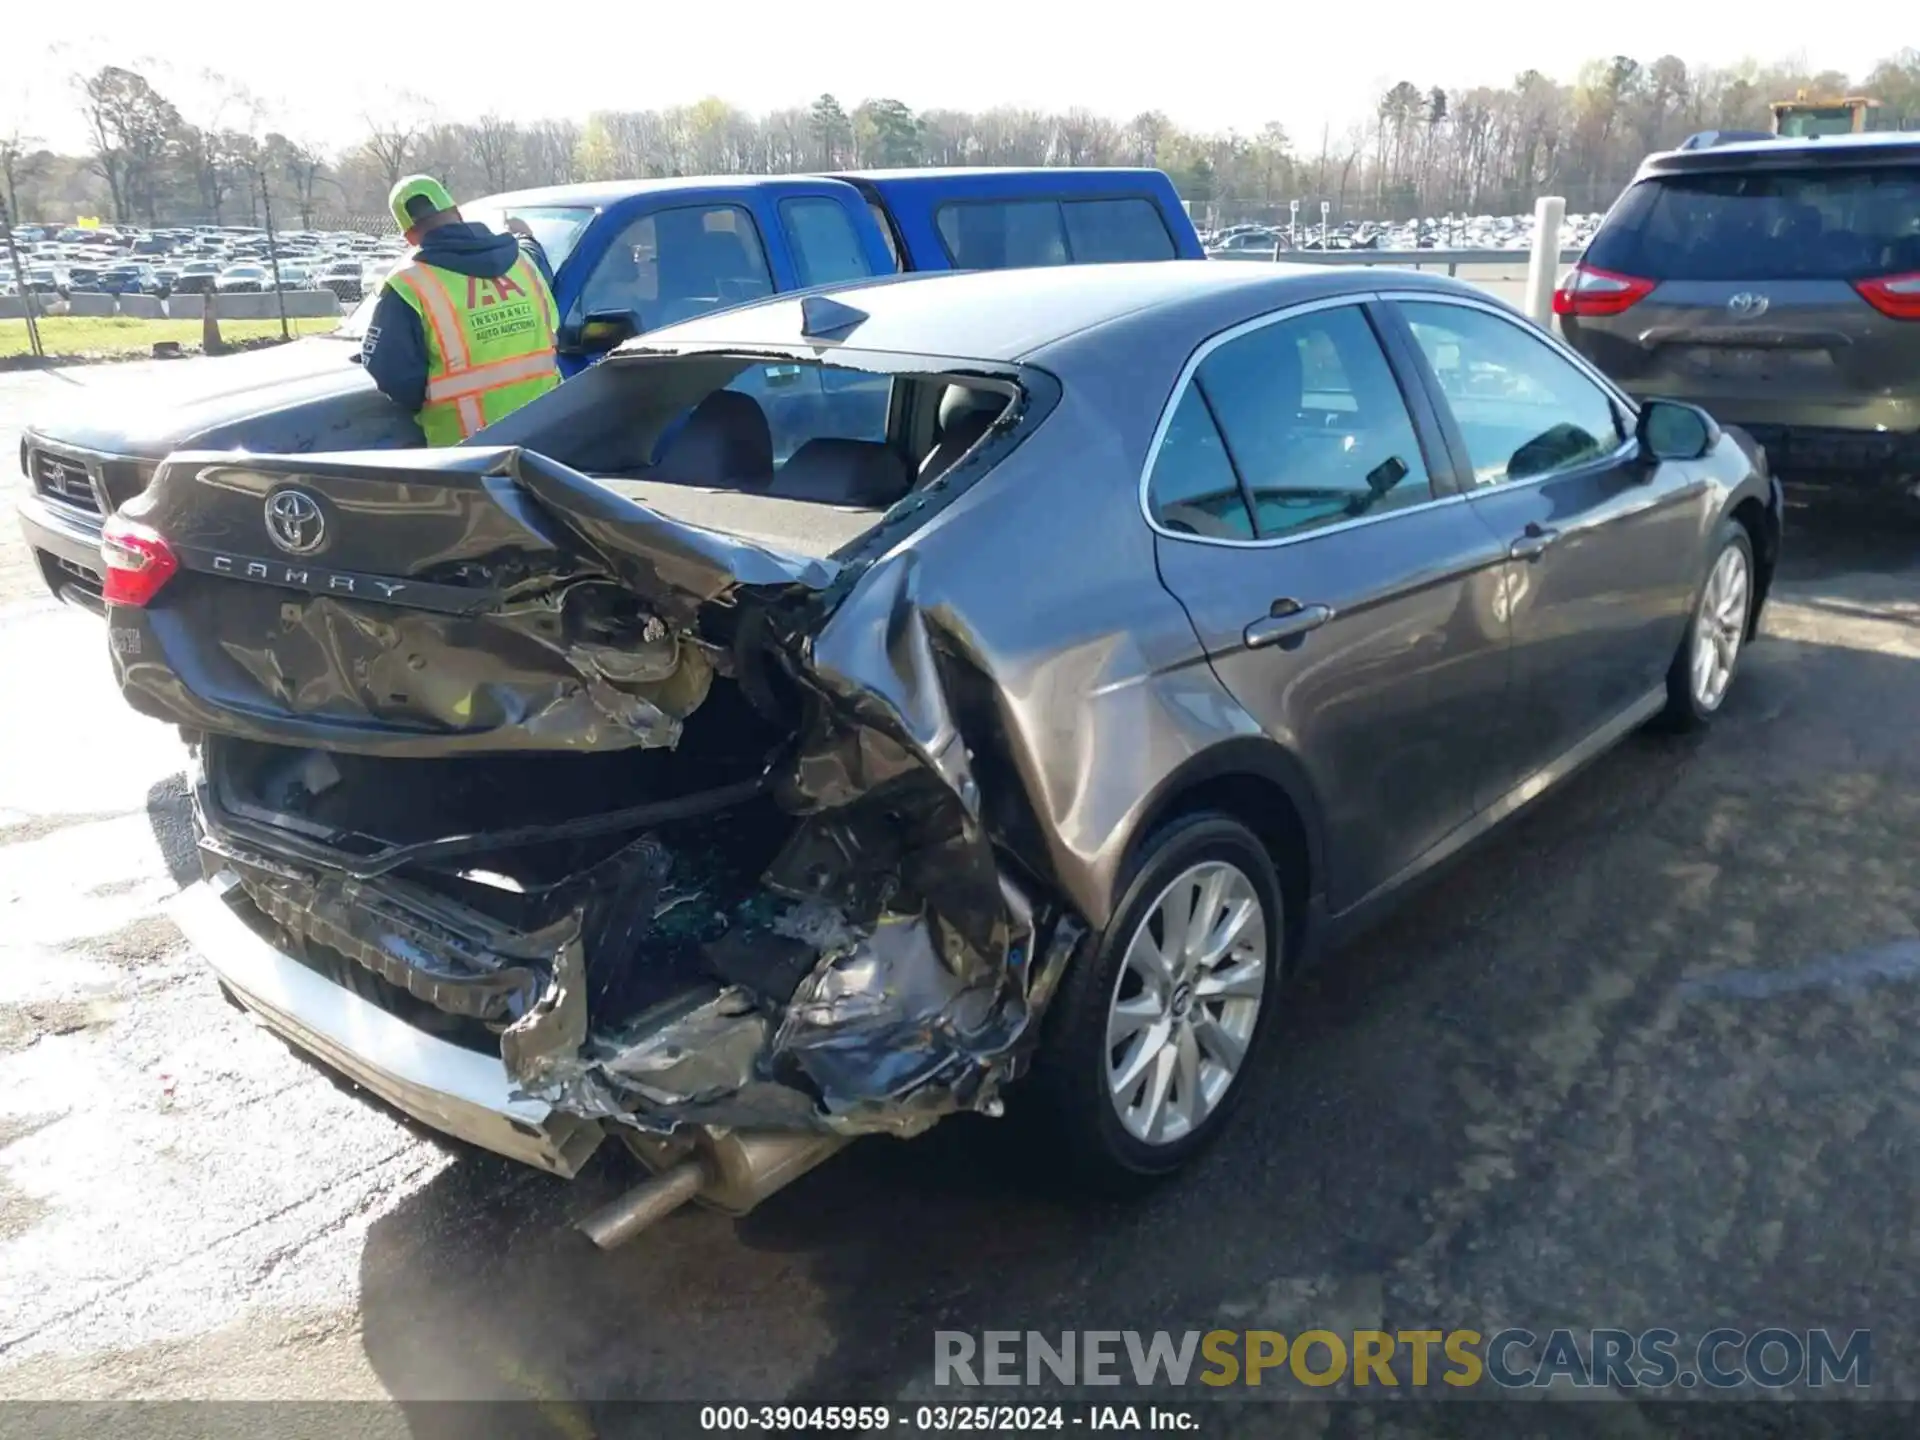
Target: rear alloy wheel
1155	1028
1709	656
1185	1003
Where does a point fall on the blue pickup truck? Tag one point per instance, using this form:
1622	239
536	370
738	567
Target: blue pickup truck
628	257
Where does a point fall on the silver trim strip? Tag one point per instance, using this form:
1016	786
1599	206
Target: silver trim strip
452	1089
37	441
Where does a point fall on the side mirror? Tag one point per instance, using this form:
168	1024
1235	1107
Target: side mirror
599	332
1671	430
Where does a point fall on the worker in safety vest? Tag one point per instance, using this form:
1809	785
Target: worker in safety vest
463	331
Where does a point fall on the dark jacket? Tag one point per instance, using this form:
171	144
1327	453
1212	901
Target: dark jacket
395	350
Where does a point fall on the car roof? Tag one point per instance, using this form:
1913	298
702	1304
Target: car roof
965	180
960	179
608	192
1010	316
1777	152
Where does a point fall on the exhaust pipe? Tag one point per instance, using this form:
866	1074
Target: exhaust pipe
616	1223
728	1171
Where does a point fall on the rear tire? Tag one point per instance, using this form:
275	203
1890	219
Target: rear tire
1158	1023
1704	668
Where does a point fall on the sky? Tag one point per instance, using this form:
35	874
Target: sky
1212	66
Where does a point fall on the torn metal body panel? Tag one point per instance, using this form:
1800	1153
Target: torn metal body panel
864	963
800	1014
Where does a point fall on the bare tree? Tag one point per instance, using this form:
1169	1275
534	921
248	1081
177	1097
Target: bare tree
496	144
301	163
132	126
393	133
22	161
550	149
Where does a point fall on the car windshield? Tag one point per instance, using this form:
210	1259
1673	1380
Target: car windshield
557	227
1815	224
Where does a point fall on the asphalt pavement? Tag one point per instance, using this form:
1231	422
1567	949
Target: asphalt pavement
1647	1058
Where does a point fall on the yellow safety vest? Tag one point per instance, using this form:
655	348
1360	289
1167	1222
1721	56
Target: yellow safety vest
489	344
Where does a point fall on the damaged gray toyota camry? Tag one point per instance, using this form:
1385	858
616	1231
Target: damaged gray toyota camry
1063	660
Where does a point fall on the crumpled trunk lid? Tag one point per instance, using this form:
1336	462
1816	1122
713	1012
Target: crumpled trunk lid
782	912
432	602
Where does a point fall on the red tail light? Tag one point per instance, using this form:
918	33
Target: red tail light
139	562
1894	295
1588	291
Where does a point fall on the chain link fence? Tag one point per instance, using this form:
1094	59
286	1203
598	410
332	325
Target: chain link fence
1352	209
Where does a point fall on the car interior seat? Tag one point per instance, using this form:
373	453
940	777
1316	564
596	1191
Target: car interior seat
725	443
831	471
966	414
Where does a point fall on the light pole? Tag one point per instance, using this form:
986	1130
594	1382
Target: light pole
273	256
20	279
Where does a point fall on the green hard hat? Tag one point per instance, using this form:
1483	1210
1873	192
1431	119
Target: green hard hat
416	197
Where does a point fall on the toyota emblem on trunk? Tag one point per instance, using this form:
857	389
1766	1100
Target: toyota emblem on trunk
294	522
1747	305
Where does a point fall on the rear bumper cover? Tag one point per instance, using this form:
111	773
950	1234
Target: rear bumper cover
1806	448
459	1092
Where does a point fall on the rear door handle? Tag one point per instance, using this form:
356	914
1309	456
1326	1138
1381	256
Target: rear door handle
1288	620
1533	543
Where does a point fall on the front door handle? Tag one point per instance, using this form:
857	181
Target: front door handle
1533	543
1288	620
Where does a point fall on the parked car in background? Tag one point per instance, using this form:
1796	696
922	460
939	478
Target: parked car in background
244	279
1171	620
342	277
128	280
628	257
196	277
1775	282
1256	242
290	277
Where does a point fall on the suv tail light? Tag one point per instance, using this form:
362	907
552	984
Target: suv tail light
1588	291
1894	295
139	562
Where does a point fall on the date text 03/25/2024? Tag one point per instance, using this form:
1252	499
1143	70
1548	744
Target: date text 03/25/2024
975	1419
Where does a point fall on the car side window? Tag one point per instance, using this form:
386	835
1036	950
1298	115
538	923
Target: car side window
1192	489
826	247
1523	409
1002	234
674	264
1314	423
1115	230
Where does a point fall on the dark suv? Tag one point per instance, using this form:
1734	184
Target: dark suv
1776	283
